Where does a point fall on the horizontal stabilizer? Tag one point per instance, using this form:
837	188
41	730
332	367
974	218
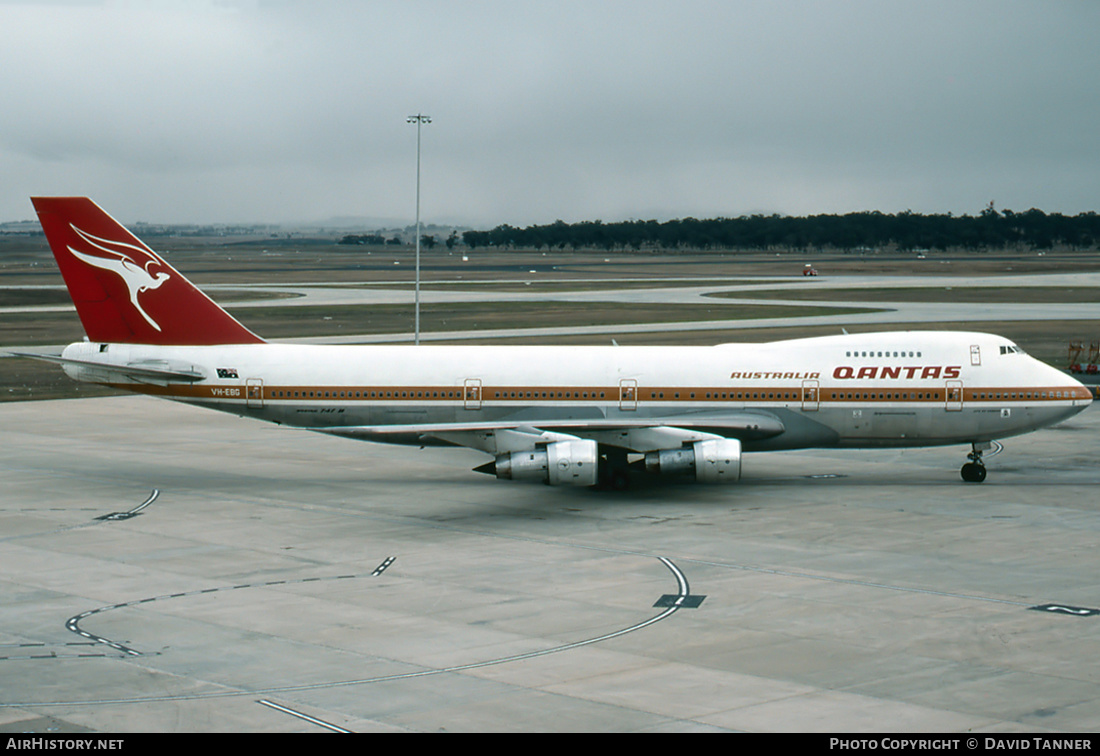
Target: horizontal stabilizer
141	371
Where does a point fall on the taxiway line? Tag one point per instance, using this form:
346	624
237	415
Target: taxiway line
677	573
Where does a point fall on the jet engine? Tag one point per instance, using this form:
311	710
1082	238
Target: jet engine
562	463
712	461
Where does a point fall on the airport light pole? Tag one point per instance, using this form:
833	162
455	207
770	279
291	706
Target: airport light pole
419	120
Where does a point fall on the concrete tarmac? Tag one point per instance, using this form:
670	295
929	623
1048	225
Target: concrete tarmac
276	575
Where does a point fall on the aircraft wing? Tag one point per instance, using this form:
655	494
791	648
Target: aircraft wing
638	435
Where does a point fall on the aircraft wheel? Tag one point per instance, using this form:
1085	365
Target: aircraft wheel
620	480
614	472
973	473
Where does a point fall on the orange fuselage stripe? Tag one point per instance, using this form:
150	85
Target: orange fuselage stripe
609	394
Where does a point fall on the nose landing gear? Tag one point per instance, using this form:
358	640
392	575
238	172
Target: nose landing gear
974	470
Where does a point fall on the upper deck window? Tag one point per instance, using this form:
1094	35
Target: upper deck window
902	353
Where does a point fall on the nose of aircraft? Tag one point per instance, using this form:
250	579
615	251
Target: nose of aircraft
1081	394
1065	386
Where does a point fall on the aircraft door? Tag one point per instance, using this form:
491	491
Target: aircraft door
471	394
254	393
954	396
628	394
810	397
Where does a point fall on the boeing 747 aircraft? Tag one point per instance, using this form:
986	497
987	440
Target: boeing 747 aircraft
576	416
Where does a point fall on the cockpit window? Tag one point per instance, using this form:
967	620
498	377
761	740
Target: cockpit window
1011	349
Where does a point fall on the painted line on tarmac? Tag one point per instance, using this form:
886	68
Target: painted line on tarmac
682	595
300	715
73	623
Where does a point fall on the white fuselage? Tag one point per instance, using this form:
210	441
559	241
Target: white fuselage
883	389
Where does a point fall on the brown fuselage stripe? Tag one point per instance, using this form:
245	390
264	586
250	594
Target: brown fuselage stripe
604	394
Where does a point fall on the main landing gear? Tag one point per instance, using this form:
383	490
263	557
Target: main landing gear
614	471
974	470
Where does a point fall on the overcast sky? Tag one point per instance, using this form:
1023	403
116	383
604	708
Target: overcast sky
288	111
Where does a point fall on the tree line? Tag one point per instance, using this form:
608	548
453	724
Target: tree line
377	240
906	231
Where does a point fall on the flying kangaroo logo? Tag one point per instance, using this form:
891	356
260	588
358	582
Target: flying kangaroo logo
123	260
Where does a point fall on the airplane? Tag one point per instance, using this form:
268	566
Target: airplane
560	415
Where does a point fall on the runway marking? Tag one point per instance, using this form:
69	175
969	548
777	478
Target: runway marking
133	512
668	612
51	654
300	715
1076	611
683	599
39	644
95	521
382	567
73	623
683	602
55	655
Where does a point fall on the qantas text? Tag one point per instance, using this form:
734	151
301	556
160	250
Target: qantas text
904	373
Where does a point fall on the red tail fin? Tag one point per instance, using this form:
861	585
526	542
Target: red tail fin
123	291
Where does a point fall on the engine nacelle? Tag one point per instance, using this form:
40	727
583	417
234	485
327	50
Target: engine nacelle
562	463
712	461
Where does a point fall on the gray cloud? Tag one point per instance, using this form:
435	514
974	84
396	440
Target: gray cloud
291	111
